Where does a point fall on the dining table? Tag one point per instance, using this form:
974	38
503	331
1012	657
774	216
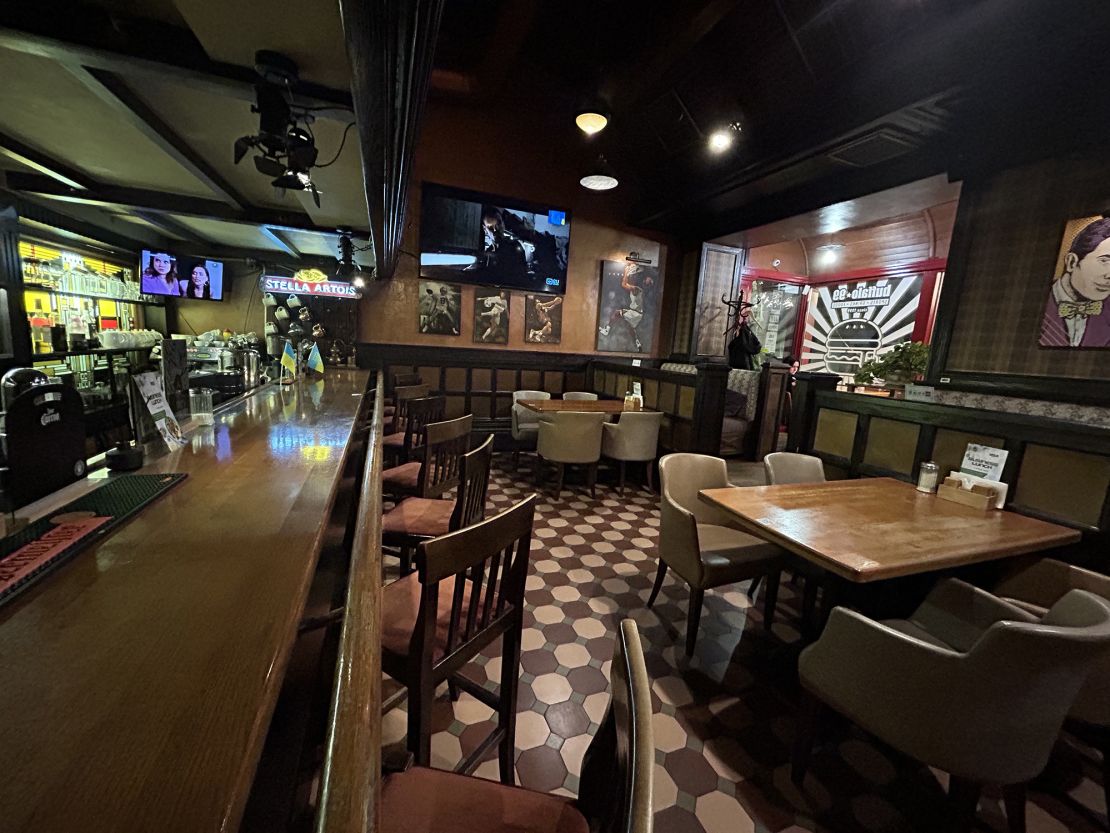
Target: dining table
591	406
869	529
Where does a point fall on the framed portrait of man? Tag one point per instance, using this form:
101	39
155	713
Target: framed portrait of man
1077	314
627	306
491	315
543	319
440	306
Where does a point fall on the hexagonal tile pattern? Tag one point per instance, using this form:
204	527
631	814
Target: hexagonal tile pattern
724	720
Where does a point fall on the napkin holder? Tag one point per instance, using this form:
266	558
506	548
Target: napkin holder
973	491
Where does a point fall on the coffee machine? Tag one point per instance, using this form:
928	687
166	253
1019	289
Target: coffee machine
42	439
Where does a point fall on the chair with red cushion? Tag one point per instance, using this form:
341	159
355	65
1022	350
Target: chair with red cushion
437	469
400	445
615	787
399	380
401	398
467	591
417	519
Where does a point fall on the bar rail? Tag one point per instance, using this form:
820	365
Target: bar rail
350	783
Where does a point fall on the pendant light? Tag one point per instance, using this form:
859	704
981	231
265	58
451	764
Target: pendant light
600	176
592	118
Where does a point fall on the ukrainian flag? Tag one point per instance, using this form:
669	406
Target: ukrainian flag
289	359
315	360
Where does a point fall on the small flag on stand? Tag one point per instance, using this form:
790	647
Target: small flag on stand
289	359
315	360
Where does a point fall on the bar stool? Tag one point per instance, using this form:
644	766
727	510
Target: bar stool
417	519
418	413
467	591
437	470
615	790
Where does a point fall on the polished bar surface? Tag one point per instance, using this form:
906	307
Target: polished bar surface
138	681
878	528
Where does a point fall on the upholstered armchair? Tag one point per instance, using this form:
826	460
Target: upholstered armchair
525	422
634	438
784	467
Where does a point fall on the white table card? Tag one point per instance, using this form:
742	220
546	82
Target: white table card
984	461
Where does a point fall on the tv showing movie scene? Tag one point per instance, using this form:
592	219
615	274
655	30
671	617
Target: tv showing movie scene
164	273
494	241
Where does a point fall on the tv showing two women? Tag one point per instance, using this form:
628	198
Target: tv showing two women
167	274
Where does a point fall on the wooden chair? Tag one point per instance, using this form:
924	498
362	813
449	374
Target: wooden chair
467	591
399	445
399	380
417	519
437	470
615	789
401	398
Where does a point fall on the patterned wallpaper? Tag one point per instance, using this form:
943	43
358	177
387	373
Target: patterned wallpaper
1066	411
1017	222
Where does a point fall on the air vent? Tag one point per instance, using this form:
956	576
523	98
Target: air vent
873	148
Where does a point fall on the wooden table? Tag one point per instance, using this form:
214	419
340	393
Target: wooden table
592	406
138	681
880	528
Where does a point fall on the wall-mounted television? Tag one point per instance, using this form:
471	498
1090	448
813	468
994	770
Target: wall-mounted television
470	237
164	273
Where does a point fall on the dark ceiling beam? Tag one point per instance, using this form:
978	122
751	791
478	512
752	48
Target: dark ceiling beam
280	240
42	216
390	44
168	225
113	90
38	161
163	203
37	29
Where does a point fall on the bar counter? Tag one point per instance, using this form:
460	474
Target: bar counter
137	682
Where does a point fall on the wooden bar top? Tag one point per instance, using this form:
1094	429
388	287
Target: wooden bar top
138	681
592	406
877	527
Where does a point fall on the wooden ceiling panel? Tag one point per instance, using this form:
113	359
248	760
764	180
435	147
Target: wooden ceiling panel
224	233
47	108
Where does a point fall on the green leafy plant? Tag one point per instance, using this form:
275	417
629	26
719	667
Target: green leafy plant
905	363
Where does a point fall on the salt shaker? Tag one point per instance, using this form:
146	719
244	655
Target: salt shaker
927	477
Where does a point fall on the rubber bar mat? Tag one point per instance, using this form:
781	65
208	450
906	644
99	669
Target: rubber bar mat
30	553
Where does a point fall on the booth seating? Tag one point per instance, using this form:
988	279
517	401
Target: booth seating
741	404
633	438
525	422
615	788
969	684
467	592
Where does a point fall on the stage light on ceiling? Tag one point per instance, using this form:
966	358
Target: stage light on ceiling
723	138
600	177
347	269
591	121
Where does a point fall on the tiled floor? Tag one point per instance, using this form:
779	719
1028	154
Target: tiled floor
724	720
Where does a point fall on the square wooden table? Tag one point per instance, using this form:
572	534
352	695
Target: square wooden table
592	406
880	528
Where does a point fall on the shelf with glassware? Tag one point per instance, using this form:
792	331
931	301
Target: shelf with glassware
73	296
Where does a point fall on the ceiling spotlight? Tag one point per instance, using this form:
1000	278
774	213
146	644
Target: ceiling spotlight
600	177
591	120
829	254
347	269
722	139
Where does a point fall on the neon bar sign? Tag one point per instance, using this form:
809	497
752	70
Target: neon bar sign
310	282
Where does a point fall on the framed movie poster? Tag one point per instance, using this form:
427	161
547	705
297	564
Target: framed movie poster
1077	313
440	306
850	323
543	319
491	315
627	307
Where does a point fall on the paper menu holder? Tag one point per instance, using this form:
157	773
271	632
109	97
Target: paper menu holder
969	480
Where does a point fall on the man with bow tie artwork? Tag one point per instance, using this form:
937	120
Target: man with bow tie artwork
1078	309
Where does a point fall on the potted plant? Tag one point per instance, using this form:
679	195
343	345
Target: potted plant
907	362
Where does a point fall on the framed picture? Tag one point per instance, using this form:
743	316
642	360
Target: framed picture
1077	313
491	315
543	319
627	307
440	306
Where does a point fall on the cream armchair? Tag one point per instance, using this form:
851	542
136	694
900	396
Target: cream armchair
697	543
1036	588
570	438
634	438
787	467
525	422
579	396
969	684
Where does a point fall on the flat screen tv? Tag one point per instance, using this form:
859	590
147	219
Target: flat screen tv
164	273
477	238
